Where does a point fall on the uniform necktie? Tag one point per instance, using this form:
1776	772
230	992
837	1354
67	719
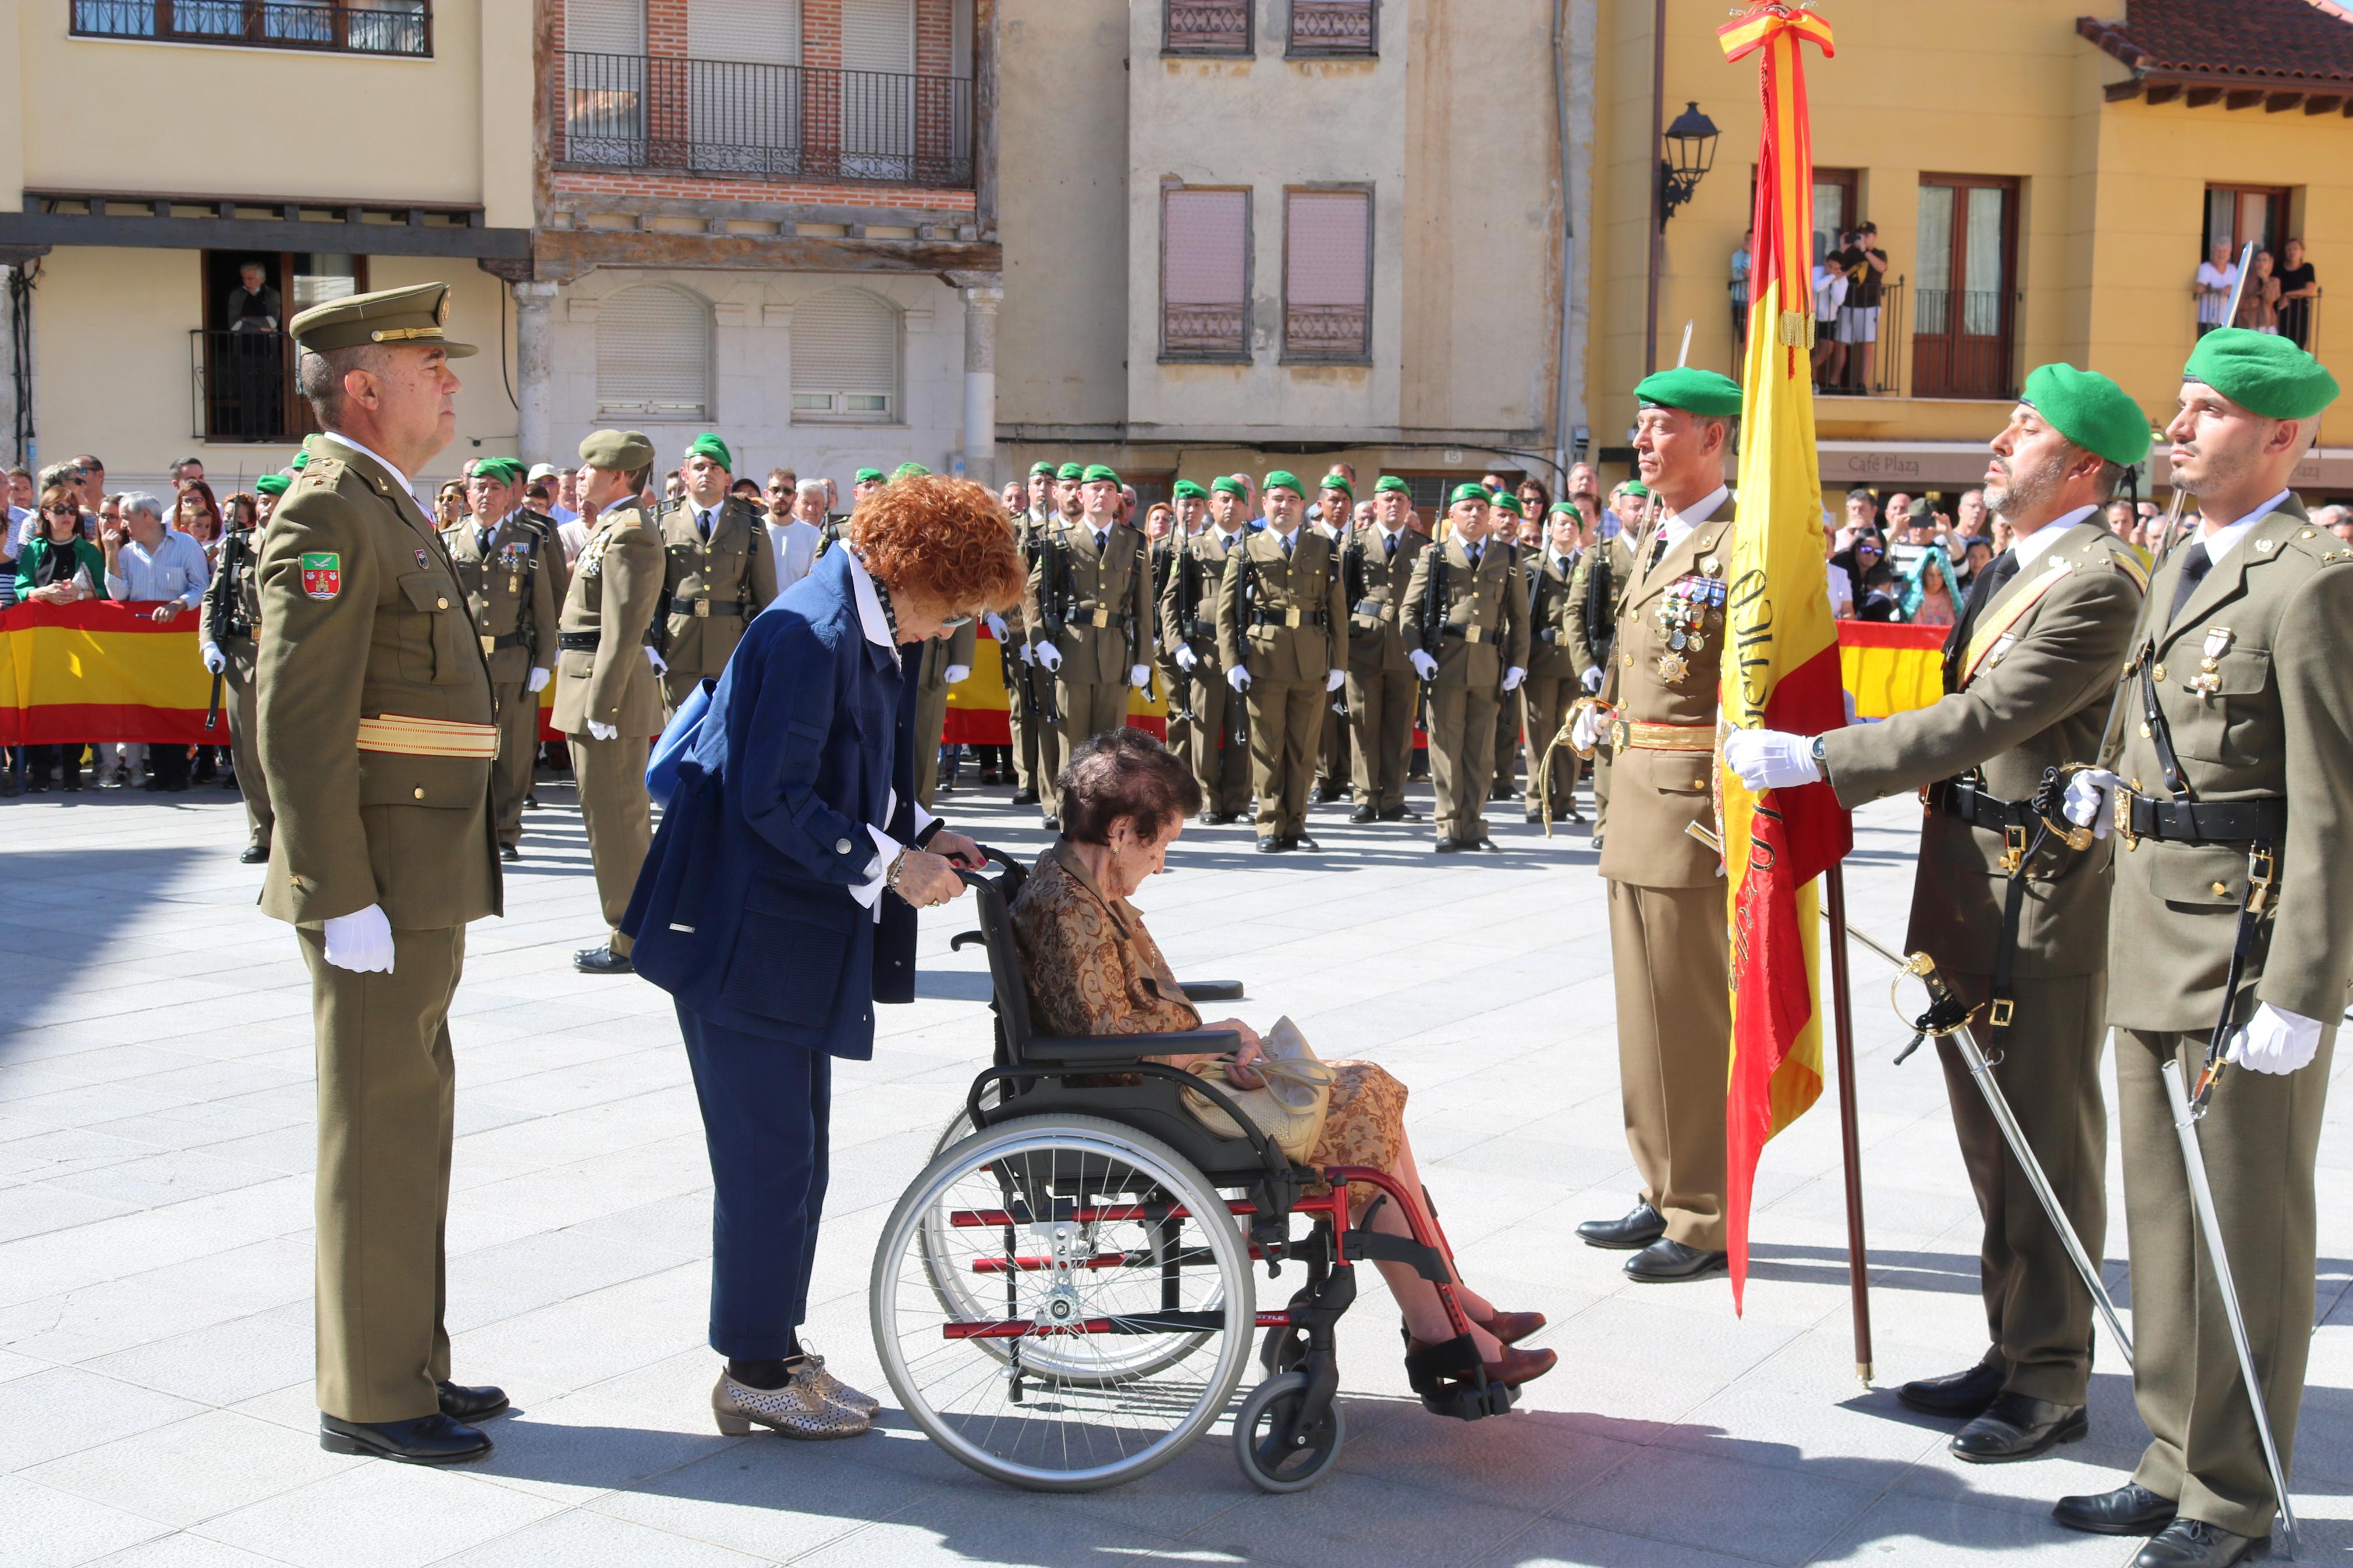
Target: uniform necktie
485	545
1388	547
1989	582
1474	554
702	525
1286	547
1103	538
1658	548
2195	563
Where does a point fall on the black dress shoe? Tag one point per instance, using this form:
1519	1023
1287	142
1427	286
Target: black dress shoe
1483	842
509	853
252	855
1449	846
1665	1262
531	802
1301	841
2194	1544
1399	814
1536	815
459	1402
2019	1427
1962	1393
1635	1229
2130	1510
602	961
432	1439
1053	824
1364	813
1268	844
1024	797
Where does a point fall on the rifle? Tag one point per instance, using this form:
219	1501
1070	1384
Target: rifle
1187	567
212	708
1245	608
1433	618
1141	567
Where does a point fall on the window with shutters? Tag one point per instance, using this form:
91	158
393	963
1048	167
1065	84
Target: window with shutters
1327	275
744	97
653	354
846	358
1204	264
1327	28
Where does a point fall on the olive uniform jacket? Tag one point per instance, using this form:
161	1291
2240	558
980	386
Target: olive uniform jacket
1195	587
1482	629
516	593
1615	556
955	651
1104	602
1551	655
1281	640
614	593
2274	619
1377	640
710	591
1655	795
2030	693
231	610
369	678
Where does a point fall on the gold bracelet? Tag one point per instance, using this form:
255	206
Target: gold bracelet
890	876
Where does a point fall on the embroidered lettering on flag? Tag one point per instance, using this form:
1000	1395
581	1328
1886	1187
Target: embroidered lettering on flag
323	573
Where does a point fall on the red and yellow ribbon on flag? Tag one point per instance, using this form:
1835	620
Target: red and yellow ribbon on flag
1783	670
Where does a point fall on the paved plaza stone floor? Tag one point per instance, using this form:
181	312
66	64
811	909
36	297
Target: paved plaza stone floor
155	1247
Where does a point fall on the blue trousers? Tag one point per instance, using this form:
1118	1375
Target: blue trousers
766	1110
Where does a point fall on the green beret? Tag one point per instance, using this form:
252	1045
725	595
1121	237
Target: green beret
2088	409
1042	467
1638	489
1507	501
1069	471
301	460
1339	481
272	484
2262	373
1283	478
709	445
506	470
1391	482
1563	506
868	476
1231	486
1100	473
617	451
1186	489
1700	392
1474	491
911	471
394	316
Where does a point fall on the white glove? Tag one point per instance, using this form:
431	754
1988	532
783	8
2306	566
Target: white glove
1591	680
1237	678
2092	800
1184	660
1771	759
1029	654
995	623
1586	734
360	941
1423	664
1139	675
661	664
2274	1041
603	731
214	660
1335	679
539	679
956	672
1512	677
1050	656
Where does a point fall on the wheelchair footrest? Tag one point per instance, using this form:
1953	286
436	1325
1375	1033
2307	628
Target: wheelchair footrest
1470	1402
1450	1382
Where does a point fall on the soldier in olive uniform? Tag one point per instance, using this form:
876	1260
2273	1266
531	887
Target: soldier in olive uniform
1552	685
373	711
1217	741
946	660
2016	921
1336	500
1667	931
1504	515
607	701
1376	563
1089	609
226	630
1282	638
511	564
1596	591
2229	792
1012	633
1466	627
718	570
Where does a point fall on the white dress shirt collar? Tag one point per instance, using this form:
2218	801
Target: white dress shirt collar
871	619
2223	539
2031	547
1677	525
1226	537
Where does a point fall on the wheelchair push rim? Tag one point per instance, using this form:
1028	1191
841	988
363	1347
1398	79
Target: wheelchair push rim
1054	1214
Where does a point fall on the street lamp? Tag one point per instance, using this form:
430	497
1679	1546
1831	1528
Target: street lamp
1691	152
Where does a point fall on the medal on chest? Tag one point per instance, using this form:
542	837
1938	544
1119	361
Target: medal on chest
2210	676
1682	617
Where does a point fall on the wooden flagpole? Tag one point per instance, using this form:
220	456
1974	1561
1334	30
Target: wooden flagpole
1858	1264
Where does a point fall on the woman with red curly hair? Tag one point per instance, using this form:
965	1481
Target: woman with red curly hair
777	904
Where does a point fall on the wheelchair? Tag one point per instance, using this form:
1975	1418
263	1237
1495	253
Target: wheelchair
1064	1299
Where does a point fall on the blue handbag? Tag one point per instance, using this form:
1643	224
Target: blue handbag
678	740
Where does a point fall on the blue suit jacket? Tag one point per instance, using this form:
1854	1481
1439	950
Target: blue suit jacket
742	912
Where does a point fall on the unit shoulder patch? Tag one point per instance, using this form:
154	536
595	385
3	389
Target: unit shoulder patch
323	573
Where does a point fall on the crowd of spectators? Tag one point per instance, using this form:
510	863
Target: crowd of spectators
2279	298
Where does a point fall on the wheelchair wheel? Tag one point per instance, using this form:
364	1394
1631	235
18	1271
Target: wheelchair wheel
1271	1451
1063	1303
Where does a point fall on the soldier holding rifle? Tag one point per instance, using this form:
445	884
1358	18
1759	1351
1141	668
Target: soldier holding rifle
227	625
1216	744
1467	629
1281	636
1089	610
1377	562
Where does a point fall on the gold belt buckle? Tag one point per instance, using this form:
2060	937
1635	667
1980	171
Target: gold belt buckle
1620	732
2124	819
1474	634
2001	1012
1291	616
702	609
2013	855
1102	618
490	645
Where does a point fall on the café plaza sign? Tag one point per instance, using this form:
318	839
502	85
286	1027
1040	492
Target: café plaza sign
1958	465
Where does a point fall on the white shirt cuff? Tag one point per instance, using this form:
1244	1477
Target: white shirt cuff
923	820
868	893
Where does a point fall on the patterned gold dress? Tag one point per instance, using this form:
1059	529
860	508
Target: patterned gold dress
1092	969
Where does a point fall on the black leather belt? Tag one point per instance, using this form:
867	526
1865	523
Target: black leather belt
1285	618
705	608
579	642
1203	631
510	639
1368	607
2204	822
2023	832
1965	800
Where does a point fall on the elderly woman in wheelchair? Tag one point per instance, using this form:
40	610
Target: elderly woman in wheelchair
1098	1289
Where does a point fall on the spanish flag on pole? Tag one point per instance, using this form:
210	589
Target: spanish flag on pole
1782	666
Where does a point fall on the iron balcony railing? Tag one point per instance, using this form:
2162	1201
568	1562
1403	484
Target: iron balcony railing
347	27
740	120
242	388
1884	375
1206	27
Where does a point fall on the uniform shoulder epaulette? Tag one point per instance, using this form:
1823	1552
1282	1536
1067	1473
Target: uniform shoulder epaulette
2321	545
320	473
2120	555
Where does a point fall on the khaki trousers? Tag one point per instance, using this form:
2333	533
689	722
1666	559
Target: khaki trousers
2038	1314
243	749
1600	792
1544	700
1332	746
2260	1135
1507	744
1380	735
1223	770
1170	683
1285	722
1088	711
619	817
388	1095
931	720
1026	727
1672	960
1462	757
518	711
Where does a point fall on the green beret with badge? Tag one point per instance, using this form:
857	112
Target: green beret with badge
1505	500
2090	410
869	476
1226	484
1071	471
272	484
617	451
1706	392
1391	482
1472	491
505	471
1186	489
1041	469
911	471
1283	479
1339	481
391	317
2262	373
709	445
1100	474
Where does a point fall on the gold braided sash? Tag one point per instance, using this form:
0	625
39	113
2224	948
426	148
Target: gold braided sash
1633	735
413	737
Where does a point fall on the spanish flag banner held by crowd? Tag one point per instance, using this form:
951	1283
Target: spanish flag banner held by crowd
1782	666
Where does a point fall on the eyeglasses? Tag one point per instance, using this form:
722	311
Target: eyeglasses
62	510
955	623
